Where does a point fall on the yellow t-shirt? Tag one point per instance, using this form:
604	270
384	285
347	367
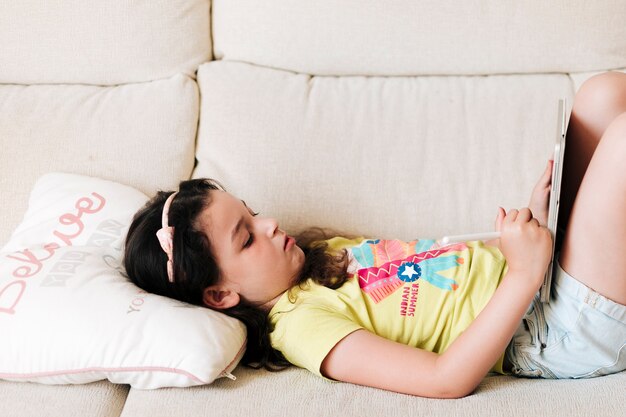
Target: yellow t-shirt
409	292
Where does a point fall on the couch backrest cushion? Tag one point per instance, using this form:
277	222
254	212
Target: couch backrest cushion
395	157
101	42
408	37
142	135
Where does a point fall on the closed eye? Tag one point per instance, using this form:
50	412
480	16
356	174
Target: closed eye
251	237
249	241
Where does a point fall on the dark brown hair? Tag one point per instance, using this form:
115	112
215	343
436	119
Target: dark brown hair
195	267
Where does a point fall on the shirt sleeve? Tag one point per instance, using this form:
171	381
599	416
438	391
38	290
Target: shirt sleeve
306	334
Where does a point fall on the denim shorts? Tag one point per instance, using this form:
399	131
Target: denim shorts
579	334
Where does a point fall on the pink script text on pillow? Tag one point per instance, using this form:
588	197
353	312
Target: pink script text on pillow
84	205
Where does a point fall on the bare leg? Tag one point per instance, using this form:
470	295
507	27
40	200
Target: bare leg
596	233
598	102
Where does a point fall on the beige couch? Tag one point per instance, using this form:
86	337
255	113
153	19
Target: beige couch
392	119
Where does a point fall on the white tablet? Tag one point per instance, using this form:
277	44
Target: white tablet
555	194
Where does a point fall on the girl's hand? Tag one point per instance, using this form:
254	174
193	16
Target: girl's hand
540	197
526	244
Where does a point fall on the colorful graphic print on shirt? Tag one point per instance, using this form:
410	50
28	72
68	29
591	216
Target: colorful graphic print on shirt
386	265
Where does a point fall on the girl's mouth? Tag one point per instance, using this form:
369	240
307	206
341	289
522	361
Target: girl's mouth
289	242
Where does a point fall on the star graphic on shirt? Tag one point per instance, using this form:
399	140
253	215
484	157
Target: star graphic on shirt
409	272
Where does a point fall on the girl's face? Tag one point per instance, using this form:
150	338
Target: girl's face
258	262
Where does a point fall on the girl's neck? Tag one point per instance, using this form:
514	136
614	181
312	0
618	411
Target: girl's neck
268	305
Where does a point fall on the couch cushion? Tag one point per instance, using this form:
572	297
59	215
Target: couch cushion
139	134
101	42
99	399
442	152
410	37
299	392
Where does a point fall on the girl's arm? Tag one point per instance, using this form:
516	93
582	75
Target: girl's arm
366	359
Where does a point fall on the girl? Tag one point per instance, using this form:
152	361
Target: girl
414	317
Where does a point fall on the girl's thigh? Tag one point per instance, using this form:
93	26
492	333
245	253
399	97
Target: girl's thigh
593	249
598	102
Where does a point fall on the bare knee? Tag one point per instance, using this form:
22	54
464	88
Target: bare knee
601	93
598	102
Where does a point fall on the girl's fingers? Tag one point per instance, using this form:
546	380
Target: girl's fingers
522	215
499	218
511	216
546	179
525	215
547	175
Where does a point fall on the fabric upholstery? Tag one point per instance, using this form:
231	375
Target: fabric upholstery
101	42
296	392
99	399
356	37
389	157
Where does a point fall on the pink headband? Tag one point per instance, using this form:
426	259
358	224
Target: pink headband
166	237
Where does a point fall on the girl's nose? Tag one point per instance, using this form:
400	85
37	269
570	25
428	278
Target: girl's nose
269	226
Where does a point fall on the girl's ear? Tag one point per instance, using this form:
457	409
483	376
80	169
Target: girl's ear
219	298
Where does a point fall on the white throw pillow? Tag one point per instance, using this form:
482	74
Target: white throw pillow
69	315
